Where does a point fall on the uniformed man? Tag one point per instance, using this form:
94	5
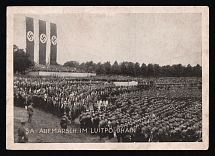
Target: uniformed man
118	134
64	121
22	136
110	126
30	112
67	111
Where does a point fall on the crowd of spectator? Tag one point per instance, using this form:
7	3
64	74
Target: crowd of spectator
53	68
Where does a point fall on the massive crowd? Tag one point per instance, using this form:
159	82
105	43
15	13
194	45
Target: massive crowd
173	114
53	68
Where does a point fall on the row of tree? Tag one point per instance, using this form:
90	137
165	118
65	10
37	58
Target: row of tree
22	62
135	69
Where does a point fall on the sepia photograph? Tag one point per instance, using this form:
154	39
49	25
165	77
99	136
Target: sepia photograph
107	77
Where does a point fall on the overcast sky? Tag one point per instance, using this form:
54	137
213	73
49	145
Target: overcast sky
164	39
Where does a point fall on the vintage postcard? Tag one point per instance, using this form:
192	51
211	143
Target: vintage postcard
107	78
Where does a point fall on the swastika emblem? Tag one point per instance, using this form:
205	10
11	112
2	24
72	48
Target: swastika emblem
30	35
54	40
43	38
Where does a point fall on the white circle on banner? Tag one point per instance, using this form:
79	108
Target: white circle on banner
54	40
30	35
43	38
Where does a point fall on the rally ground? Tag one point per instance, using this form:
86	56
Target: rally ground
43	120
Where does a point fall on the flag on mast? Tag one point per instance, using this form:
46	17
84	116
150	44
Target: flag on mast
42	42
53	48
30	38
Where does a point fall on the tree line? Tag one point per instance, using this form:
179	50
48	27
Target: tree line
21	62
137	70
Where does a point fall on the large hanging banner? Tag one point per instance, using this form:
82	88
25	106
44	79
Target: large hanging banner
42	42
30	38
53	39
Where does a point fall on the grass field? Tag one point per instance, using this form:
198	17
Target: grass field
43	121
